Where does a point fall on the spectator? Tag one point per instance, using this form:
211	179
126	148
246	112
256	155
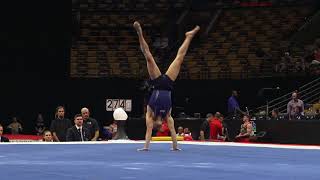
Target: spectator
60	125
225	134
297	113
288	61
233	105
246	130
274	114
308	55
316	106
161	42
216	128
114	128
164	129
47	136
283	64
316	53
180	131
90	124
295	107
15	127
110	131
315	62
186	132
2	138
300	65
187	135
78	132
40	127
205	128
107	132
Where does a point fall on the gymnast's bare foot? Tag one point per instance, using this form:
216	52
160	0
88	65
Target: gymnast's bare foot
193	32
137	27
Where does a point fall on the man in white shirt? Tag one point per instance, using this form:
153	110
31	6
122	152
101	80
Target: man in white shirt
295	107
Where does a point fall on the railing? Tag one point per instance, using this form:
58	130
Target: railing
308	93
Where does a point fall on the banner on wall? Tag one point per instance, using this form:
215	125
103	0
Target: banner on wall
23	138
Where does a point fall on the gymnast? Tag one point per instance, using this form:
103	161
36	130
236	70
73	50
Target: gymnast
159	105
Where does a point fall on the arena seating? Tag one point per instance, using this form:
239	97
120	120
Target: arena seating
108	46
240	32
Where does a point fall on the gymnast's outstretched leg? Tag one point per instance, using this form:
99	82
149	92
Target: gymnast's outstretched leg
174	68
153	69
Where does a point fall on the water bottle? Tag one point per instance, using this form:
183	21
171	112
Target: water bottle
254	126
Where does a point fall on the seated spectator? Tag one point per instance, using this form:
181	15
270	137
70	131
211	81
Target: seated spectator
47	136
289	61
106	133
187	135
163	129
300	65
78	132
246	130
316	53
114	127
15	127
2	138
298	114
160	42
40	127
186	132
315	63
180	131
205	128
286	64
316	106
318	111
109	132
274	114
216	128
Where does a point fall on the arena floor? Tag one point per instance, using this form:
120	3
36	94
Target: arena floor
120	160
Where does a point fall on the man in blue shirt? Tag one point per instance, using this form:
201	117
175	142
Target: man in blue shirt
233	105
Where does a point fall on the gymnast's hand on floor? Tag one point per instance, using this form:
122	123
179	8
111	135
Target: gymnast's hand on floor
143	149
176	149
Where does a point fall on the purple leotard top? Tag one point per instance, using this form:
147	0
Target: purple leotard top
160	100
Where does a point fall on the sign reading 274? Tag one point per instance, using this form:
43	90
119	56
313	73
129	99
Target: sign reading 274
112	104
